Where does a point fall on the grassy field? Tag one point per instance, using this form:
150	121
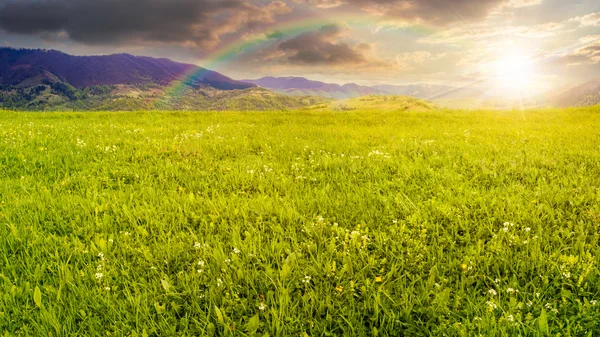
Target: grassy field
309	223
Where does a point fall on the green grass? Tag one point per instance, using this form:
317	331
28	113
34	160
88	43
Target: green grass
302	223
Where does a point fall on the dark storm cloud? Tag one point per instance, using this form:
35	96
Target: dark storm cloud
194	23
440	12
322	48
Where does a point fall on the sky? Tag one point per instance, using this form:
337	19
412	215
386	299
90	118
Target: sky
539	45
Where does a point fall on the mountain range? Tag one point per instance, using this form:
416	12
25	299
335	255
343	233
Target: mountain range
18	65
299	86
585	94
37	79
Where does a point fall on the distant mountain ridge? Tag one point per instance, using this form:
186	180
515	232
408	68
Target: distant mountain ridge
299	86
18	65
586	94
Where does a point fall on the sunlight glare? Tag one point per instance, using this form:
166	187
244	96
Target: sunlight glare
514	72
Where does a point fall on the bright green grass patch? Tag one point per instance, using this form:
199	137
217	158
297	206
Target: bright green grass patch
301	223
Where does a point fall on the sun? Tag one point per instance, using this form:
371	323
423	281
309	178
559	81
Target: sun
514	72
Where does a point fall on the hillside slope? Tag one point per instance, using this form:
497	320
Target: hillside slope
586	94
62	97
18	65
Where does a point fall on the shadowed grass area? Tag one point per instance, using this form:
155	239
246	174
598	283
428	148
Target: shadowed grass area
300	223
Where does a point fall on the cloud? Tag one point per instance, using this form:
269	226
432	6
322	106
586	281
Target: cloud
524	3
588	53
330	49
323	47
589	20
589	39
414	57
472	33
192	23
438	12
409	61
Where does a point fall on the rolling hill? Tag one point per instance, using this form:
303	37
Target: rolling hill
62	97
415	90
379	103
586	94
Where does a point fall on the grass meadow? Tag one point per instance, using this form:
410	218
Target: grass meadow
306	223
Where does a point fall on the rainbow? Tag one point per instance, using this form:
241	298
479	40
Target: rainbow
232	50
273	34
